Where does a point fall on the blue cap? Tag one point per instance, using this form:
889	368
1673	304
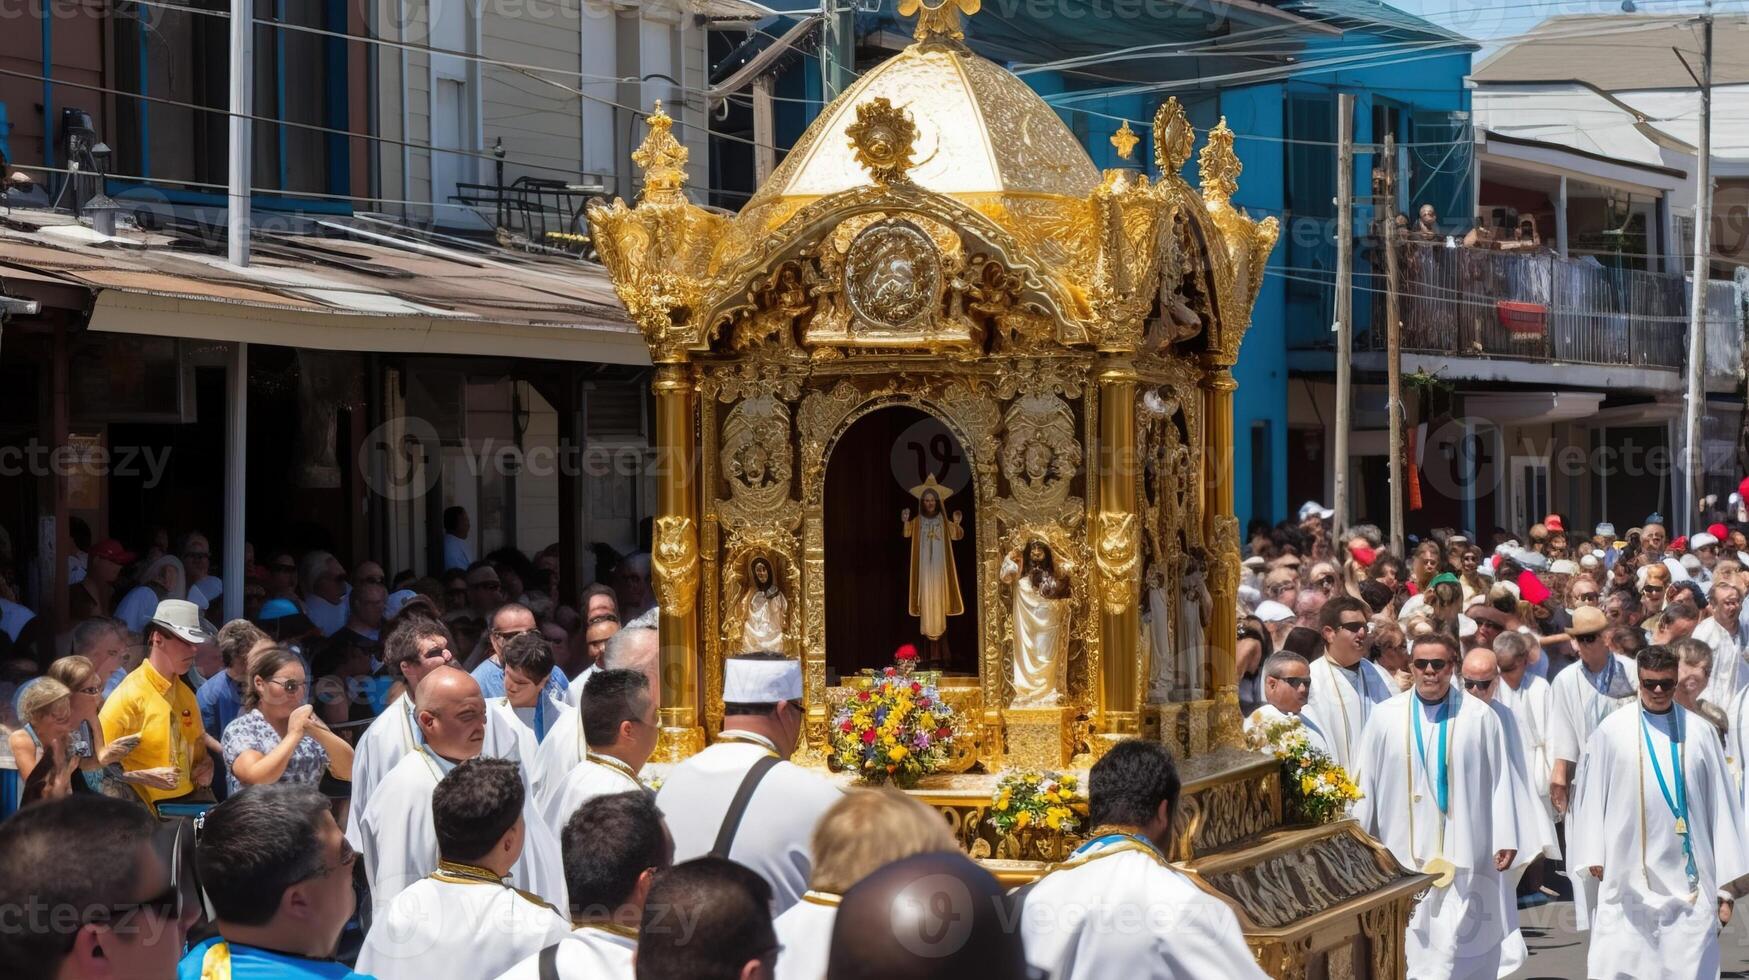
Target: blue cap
1653	518
278	609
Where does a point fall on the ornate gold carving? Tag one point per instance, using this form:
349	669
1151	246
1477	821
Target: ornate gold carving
883	138
937	19
1120	560
757	459
1383	934
1040	738
1246	243
893	275
1222	813
1124	140
1041	458
1173	137
674	560
1293	884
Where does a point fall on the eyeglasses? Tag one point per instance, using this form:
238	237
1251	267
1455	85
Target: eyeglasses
291	687
347	857
1324	580
119	918
1474	685
1297	683
508	635
1433	666
1585	637
1279	587
437	653
1652	590
1658	683
1358	629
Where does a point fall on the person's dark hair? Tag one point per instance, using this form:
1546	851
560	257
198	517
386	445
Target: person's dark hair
1696	597
236	638
90	632
263	666
1128	784
1625	640
930	916
1681	610
611	697
452	518
1330	617
1507	569
1445	641
403	643
1385	561
608	843
729	908
473	807
595	590
1656	657
255	845
79	853
1376	595
530	655
1305	641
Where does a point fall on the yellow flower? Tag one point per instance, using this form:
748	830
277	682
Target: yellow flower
1024	819
1032	779
1054	820
1002	800
897	752
1306	784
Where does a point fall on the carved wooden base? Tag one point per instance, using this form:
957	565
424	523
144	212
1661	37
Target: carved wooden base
1040	738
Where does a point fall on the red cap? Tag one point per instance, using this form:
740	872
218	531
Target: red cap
109	549
1553	523
1718	531
1363	554
1532	588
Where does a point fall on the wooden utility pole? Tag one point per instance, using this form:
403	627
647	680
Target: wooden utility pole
1344	306
1394	343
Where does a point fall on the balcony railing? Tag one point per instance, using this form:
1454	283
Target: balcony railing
1472	302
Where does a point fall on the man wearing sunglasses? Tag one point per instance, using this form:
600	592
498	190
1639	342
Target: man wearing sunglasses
1658	825
1437	789
107	907
1287	682
278	873
1345	685
1581	697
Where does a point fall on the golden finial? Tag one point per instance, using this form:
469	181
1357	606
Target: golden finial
883	137
1219	165
1173	137
661	157
938	19
1124	141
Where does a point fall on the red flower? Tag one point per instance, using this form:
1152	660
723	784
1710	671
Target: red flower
890	671
862	695
906	652
916	688
868	737
944	733
846	726
922	702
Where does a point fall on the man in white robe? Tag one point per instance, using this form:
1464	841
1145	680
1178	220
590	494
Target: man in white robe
634	648
1527	696
1657	823
1437	790
1723	631
1345	684
396	839
415	649
613	850
619	723
763	717
1482	679
464	919
1287	682
1116	908
1580	697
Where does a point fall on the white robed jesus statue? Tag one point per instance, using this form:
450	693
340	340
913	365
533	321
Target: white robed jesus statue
1658	823
935	584
1041	624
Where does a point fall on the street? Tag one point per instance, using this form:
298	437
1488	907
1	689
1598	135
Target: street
1557	949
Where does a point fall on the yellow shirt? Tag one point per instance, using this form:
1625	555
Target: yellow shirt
167	717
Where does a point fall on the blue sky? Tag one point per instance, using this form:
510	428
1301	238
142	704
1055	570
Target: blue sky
1491	20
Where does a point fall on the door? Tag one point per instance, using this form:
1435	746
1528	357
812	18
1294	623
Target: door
1530	492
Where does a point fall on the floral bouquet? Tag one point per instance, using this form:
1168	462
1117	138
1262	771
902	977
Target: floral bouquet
1027	798
898	730
1314	788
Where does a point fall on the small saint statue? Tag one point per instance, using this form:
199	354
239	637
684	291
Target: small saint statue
763	609
935	584
1041	624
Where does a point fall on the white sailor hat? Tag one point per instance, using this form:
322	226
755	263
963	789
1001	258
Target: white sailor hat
761	680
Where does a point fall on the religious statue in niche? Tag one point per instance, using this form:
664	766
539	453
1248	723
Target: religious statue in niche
1195	608
762	610
935	584
1041	624
1157	633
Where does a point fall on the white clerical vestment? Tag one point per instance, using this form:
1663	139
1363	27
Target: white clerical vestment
459	922
395	733
558	754
574	693
1654	921
1730	672
1737	743
1534	823
540	718
1116	909
1268	714
1579	700
1341	702
596	775
805	933
1412	755
398	843
1529	704
776	833
592	951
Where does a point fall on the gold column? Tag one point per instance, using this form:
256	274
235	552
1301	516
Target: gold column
1117	549
675	562
1221	531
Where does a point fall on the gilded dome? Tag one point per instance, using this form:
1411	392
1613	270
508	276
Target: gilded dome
982	136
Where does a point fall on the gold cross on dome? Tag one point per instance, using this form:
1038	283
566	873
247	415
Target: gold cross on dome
938	18
1124	140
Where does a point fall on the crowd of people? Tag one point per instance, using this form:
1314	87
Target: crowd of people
1503	704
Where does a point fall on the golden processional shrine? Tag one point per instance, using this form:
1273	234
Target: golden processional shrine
940	356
